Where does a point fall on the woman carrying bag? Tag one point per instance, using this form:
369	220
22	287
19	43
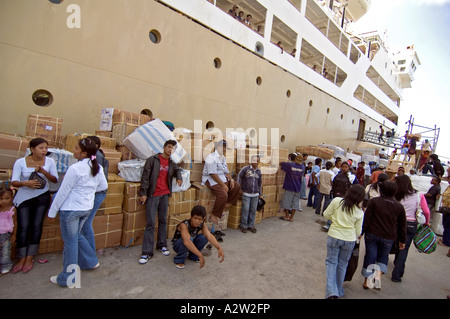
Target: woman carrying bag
412	202
346	224
31	175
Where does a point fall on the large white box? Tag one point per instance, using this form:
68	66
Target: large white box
148	140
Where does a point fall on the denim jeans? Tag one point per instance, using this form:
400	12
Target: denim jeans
320	197
313	192
303	188
30	217
338	254
249	205
155	206
77	250
5	252
182	252
87	231
400	257
377	254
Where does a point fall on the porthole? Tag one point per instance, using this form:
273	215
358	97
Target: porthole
258	80
288	93
147	112
155	36
342	116
283	138
56	1
353	121
42	98
310	103
217	63
259	48
328	110
209	125
252	133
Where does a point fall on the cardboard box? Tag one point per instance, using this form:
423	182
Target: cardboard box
129	118
72	139
269	193
5	175
114	157
108	230
46	127
133	228
131	201
173	222
116	184
12	147
122	130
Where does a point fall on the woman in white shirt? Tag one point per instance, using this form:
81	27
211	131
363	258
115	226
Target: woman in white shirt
74	200
32	200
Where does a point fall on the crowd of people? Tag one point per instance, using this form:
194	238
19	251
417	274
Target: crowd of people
356	202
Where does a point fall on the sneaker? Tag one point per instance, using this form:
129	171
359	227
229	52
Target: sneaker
5	271
326	227
53	279
144	259
179	266
165	251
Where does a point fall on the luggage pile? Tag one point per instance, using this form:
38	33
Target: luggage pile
127	140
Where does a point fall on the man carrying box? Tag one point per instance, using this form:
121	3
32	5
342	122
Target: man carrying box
191	236
156	187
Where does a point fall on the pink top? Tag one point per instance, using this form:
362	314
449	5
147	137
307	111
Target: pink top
410	203
6	221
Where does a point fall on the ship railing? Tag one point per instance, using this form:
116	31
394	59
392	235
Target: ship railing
384	141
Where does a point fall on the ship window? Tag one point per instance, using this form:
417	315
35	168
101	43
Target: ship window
217	63
342	116
154	36
56	1
283	138
288	93
147	112
258	80
310	103
259	48
328	110
42	98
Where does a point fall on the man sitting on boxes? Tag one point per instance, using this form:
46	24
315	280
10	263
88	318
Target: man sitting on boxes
218	178
191	236
156	187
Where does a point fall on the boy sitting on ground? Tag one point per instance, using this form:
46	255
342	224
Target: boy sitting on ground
191	236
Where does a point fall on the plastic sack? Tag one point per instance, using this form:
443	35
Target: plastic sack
131	170
186	176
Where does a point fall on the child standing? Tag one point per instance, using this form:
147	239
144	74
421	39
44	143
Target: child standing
7	227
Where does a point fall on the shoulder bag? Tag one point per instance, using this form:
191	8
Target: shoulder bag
41	180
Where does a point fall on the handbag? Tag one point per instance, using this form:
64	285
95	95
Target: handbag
420	217
425	239
41	180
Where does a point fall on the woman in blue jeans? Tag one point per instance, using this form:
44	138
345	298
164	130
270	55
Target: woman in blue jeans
384	222
347	219
74	200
